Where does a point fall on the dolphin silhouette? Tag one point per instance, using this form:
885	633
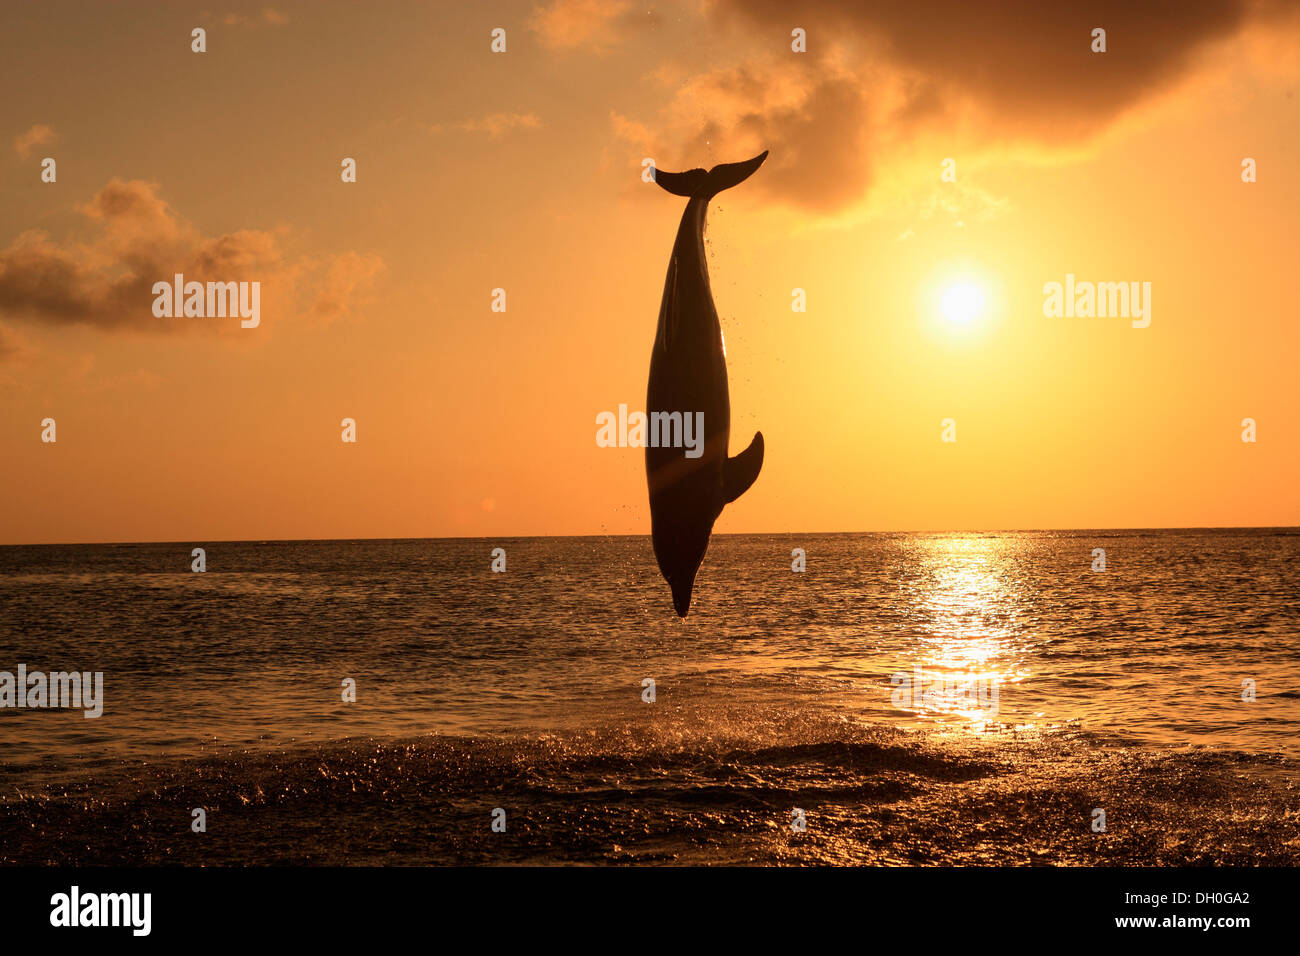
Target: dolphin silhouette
688	376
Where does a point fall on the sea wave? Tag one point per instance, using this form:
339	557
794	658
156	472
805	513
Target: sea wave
730	792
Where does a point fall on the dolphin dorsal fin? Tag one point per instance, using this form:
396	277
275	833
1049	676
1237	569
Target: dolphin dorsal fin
742	470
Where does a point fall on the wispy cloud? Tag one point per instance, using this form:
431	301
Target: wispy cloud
593	24
495	125
269	15
38	135
11	345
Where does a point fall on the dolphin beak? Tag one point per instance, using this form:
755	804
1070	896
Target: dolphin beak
682	598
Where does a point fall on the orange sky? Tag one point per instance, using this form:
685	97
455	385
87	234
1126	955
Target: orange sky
522	171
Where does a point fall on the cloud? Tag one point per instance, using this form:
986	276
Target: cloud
269	15
38	135
954	204
134	239
812	118
495	125
346	278
11	345
1025	61
593	24
880	81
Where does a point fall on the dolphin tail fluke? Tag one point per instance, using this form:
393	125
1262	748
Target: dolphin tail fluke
681	184
742	470
698	182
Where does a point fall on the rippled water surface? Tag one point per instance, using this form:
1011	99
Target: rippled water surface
1044	690
1155	649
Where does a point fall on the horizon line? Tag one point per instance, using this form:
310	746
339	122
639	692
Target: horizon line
729	534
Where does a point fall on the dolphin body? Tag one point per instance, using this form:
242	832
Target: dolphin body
688	375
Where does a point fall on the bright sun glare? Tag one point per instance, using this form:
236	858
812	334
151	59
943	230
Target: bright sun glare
963	302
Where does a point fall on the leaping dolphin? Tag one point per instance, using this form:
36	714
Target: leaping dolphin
688	375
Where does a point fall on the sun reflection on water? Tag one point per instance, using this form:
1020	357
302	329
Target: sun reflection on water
969	636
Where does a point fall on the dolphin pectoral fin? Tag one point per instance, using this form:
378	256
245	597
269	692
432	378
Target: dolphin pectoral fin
742	470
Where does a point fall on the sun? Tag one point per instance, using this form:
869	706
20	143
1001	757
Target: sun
959	304
962	303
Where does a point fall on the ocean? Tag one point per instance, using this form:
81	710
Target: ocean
906	699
